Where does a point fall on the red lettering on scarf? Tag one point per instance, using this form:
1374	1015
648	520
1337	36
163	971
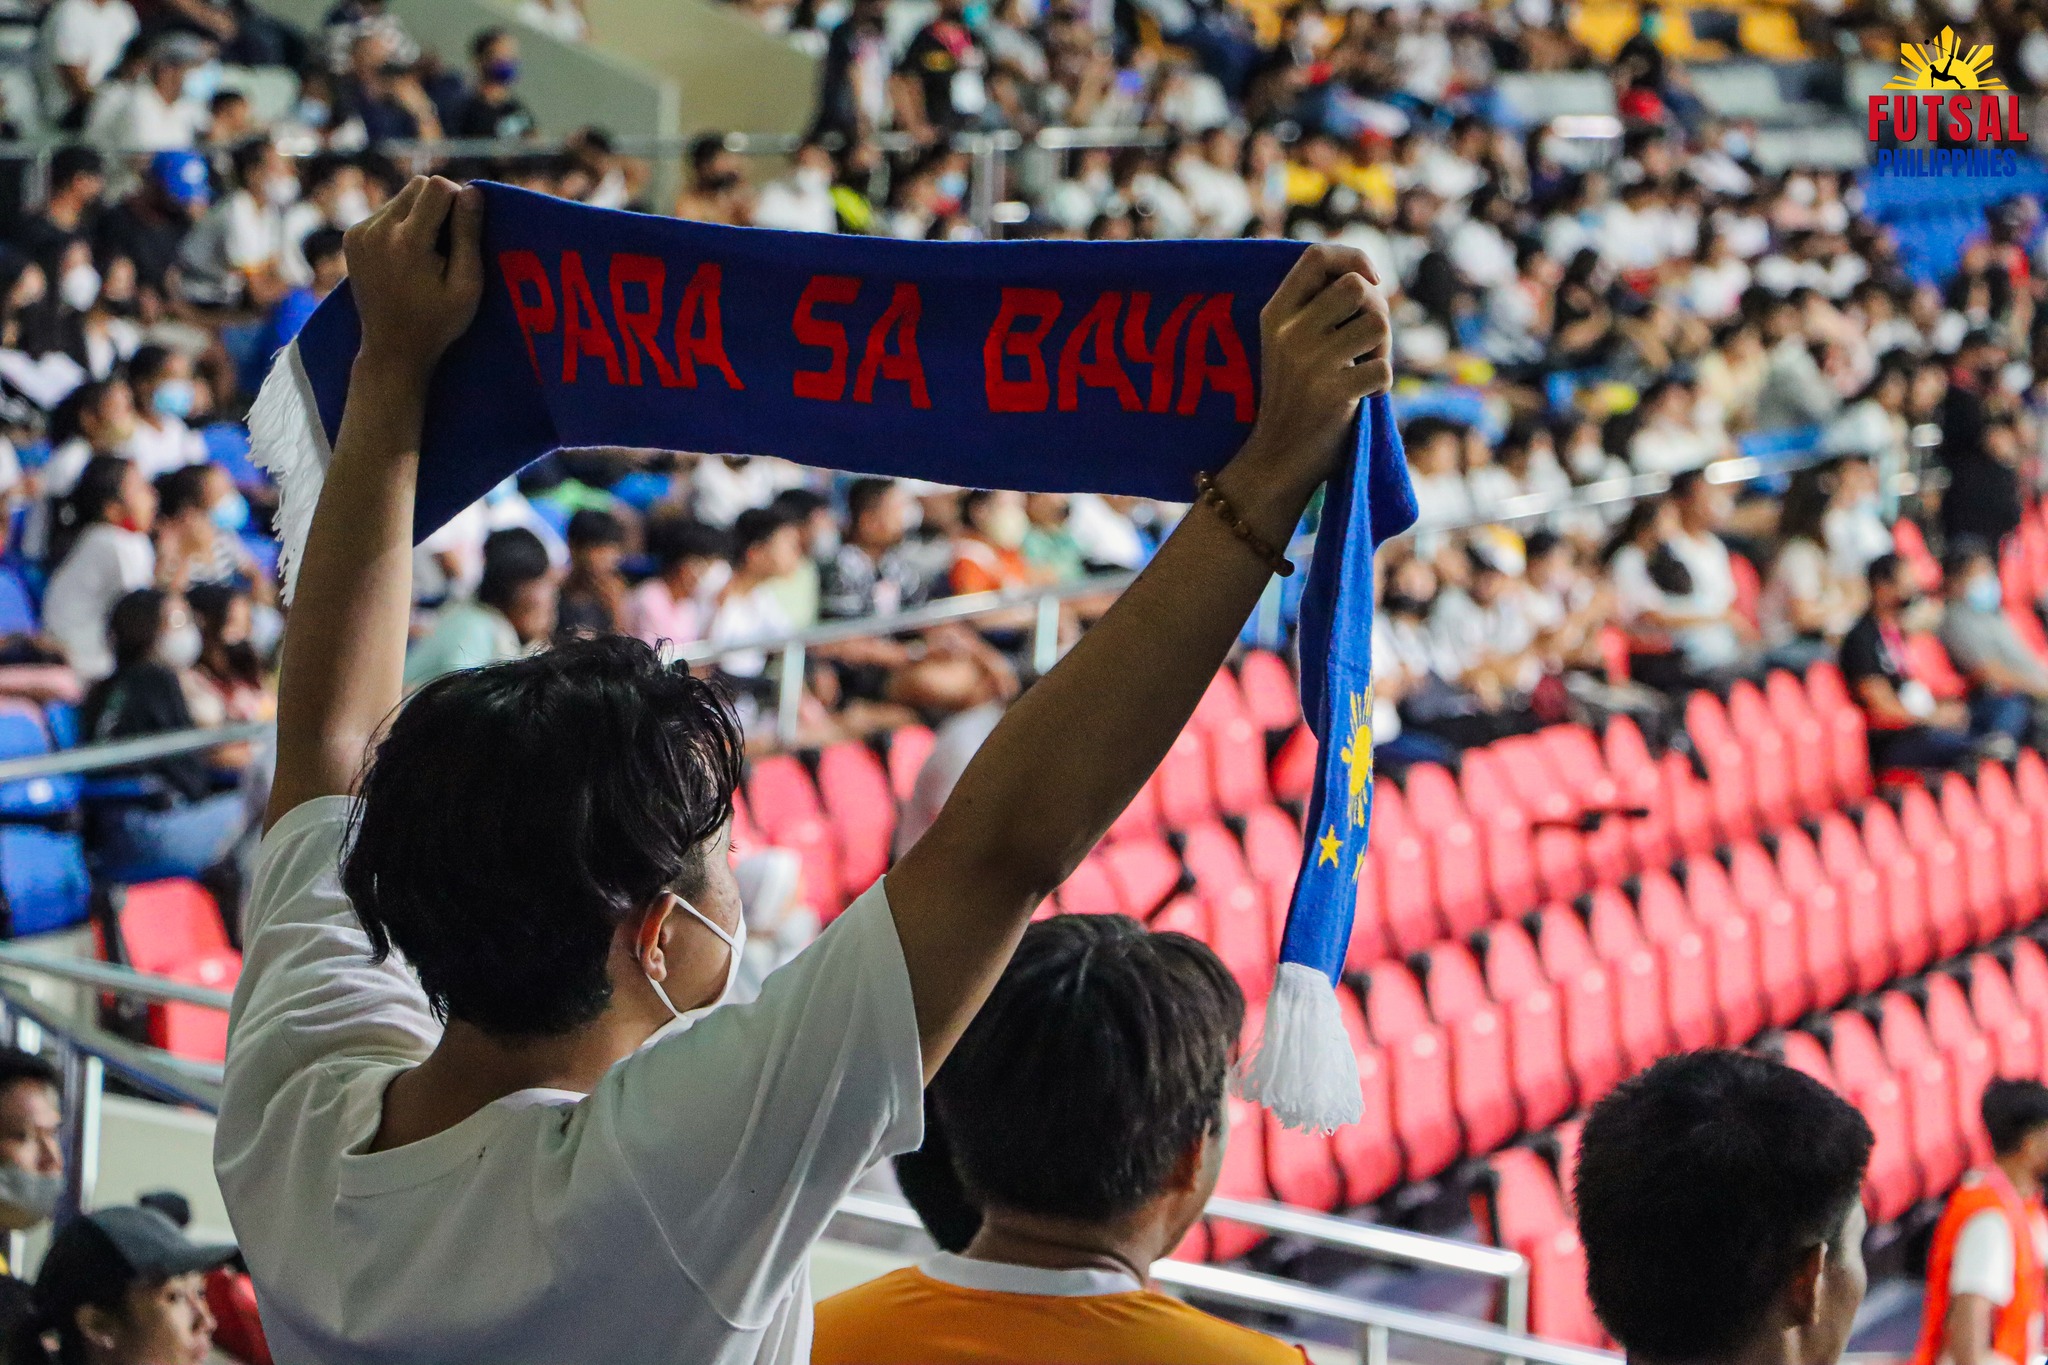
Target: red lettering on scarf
1105	371
829	383
902	364
581	337
1160	354
694	348
1233	375
637	325
520	269
1006	339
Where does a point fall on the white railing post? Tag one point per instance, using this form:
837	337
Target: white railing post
789	695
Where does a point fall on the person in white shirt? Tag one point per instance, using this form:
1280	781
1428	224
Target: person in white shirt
802	200
1671	437
83	41
1216	192
476	1026
165	394
106	522
152	113
234	256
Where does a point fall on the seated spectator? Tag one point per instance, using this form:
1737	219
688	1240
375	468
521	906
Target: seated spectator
1106	533
120	1286
149	226
766	546
226	685
1049	546
513	612
1566	605
164	396
1854	529
1435	466
491	110
336	196
1808	603
186	822
728	485
192	545
1086	1114
718	190
1984	1292
31	1168
327	261
2008	682
690	567
1524	464
233	258
988	552
802	200
229	120
1763	1168
102	552
1674	586
818	534
152	113
1669	437
381	93
77	180
1483	629
1908	727
592	599
83	41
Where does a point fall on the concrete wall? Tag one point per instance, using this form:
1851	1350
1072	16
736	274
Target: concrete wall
730	74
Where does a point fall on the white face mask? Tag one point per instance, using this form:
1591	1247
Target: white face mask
79	288
812	180
282	191
350	207
179	647
735	945
29	1192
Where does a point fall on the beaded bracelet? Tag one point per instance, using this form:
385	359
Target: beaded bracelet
1212	496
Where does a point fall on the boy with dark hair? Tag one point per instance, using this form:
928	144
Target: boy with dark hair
1985	1296
534	1138
593	595
514	609
1085	1112
1718	1200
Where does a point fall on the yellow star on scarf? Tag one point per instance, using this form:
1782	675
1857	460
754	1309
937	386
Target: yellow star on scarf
1357	757
1327	847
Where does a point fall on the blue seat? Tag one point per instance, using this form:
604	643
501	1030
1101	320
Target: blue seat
264	550
18	614
643	488
23	734
227	445
43	877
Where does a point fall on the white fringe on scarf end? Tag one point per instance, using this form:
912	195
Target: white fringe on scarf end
1303	1068
287	439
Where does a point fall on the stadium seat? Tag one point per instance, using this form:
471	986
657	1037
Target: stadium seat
1691	994
1144	872
1272	698
2019	842
1425	1116
1639	784
1272	844
1736	942
1237	763
1971	1055
1481	1066
1893	1182
25	733
1301	1168
1923	891
2030	779
1928	664
1690	803
1784	974
1088	890
1979	867
1242	937
786	808
1803	1052
173	928
1293	771
1868	923
2029	967
1591	1009
1187	914
1369	942
1368	1154
2015	1038
1503	833
1524	1210
1642	1014
909	747
1222	702
1213	857
1998	795
1402	858
1457	867
1610	847
1731	779
1182	781
1838	931
1848	750
1812	776
1536	1037
1140	819
43	881
1771	762
853	786
1243	1176
1932	1091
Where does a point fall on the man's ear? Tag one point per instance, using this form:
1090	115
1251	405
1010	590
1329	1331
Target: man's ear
650	933
1187	1167
1801	1298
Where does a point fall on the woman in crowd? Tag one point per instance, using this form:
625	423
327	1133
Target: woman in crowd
182	823
165	395
121	1286
102	551
1807	604
97	419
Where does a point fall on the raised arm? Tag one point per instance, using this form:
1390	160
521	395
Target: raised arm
344	649
1073	752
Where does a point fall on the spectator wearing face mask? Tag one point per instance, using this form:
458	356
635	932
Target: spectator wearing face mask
165	396
121	1286
150	225
234	256
2006	678
31	1162
1808	602
941	84
802	200
336	196
718	191
1908	728
492	110
77	181
988	553
513	612
179	823
98	419
153	112
193	546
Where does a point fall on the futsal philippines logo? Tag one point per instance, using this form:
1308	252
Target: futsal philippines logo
1949	96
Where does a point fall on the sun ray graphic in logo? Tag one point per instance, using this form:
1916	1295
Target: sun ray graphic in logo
1942	65
1357	757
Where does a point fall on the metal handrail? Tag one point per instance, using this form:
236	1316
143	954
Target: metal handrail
1247	1289
125	753
111	977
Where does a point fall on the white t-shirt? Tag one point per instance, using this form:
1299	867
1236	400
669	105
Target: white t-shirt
158	450
133	117
666	1217
106	563
88	34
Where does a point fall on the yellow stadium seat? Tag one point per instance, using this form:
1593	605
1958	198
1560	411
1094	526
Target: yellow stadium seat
1604	25
1771	33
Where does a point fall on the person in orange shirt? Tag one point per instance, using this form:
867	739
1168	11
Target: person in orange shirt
1984	1287
989	551
1084	1109
1719	1202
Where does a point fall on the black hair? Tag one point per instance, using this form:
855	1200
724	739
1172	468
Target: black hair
1883	570
1539	544
148	364
705	149
135	625
17	1066
485	40
1097	1063
225	99
68	420
513	558
73	162
181	490
594	526
863	494
753	527
797	504
673	539
323	244
248	158
1701	1184
99	483
517	814
1685	481
237	662
1962	552
2014	1111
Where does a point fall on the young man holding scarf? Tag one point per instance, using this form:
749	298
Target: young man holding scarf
512	1153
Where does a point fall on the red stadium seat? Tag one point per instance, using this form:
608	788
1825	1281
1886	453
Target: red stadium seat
1481	1068
1526	1213
2009	858
1301	1168
1932	1090
1691	994
1407	907
1736	944
1186	794
1088	890
1731	778
1837	930
1867	922
2015	1038
1138	820
2030	778
909	747
1803	1052
1425	1116
1243	1176
1858	1070
1642	1012
1457	865
2030	980
1784	973
786	809
1536	1025
1911	545
1639	783
1567	1136
1237	763
1271	696
1691	806
2024	827
1451	981
1144	873
173	928
1504	833
1368	1154
1368	922
1214	858
1959	896
1183	915
1593	1042
1771	762
1272	844
1574	754
1222	702
1243	938
1813	777
746	838
1530	780
1921	889
1294	767
1848	750
1562	867
854	788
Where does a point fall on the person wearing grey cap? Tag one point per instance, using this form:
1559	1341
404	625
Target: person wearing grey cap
152	113
122	1286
